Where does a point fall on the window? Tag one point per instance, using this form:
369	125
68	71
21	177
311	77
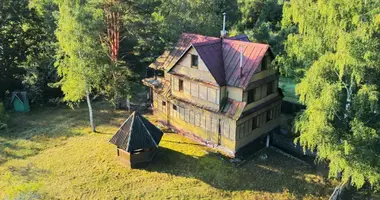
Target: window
254	94
202	92
211	95
192	121
270	88
264	64
186	87
197	119
269	115
163	103
251	95
180	85
203	121
174	107
255	122
194	89
194	61
187	115
181	113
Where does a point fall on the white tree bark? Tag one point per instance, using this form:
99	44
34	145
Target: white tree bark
90	110
336	195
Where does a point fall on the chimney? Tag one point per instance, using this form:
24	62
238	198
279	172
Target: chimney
241	61
223	33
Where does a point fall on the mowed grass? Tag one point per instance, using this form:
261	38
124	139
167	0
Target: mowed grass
51	154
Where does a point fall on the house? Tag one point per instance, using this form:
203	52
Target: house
220	91
136	140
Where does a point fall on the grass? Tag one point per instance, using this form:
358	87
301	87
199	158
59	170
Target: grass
51	154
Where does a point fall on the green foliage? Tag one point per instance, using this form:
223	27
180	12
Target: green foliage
170	18
260	20
19	35
3	117
336	50
81	58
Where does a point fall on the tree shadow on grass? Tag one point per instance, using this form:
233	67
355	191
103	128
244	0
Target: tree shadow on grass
23	182
271	175
29	133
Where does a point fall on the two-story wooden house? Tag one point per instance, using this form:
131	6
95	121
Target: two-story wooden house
220	91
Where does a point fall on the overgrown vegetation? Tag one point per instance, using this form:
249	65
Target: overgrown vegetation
55	155
336	53
3	117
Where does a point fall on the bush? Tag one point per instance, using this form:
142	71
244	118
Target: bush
3	117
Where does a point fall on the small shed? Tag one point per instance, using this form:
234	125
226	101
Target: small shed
137	141
20	102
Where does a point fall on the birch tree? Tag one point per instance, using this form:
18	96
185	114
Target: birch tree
80	59
336	51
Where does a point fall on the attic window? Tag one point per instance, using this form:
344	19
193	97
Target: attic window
194	61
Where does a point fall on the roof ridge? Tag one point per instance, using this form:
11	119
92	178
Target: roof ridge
155	143
205	43
130	129
200	35
249	42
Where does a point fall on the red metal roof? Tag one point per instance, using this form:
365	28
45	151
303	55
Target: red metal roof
221	56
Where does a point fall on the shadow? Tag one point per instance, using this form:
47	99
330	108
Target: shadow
28	172
42	128
186	143
271	175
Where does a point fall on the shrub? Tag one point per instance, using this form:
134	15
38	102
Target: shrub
3	117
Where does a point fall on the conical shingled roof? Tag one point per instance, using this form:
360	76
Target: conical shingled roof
137	133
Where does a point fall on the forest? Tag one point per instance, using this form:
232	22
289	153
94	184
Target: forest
74	51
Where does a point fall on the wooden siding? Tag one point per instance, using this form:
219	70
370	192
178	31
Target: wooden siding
197	92
202	123
246	133
184	67
235	93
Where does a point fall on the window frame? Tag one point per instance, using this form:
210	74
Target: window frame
251	95
255	124
194	61
264	65
269	116
180	85
270	88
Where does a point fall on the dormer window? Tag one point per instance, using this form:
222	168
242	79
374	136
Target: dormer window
194	61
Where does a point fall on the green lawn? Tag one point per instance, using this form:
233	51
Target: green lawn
51	154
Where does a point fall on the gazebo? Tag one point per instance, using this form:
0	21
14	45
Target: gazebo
136	140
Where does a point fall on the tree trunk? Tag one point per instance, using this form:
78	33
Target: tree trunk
90	110
337	194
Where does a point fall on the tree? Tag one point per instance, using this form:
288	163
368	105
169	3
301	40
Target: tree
261	21
81	57
336	52
19	36
39	67
118	81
